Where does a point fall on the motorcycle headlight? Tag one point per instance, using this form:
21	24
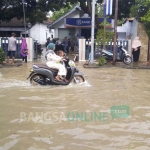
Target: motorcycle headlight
71	63
31	70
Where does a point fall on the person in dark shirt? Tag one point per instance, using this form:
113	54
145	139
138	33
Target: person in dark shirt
47	42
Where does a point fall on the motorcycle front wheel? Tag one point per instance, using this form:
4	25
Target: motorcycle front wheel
127	60
78	79
36	76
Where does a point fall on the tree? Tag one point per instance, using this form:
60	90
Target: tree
146	23
138	9
141	12
61	12
35	10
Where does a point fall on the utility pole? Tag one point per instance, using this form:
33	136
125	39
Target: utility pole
24	18
92	31
104	32
115	32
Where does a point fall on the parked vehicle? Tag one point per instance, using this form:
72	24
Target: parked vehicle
43	75
123	55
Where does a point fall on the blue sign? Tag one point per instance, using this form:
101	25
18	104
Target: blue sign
82	22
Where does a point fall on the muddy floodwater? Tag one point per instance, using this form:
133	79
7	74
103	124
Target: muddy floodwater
110	111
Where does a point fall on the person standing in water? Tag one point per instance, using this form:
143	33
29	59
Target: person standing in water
11	48
136	44
24	50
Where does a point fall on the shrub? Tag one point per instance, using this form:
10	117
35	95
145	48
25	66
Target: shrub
2	55
102	61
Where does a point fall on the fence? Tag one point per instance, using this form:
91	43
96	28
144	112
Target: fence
84	50
108	46
32	47
4	45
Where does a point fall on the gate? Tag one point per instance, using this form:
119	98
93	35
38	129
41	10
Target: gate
108	46
32	47
4	45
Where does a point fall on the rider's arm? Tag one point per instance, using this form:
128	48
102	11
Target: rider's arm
53	57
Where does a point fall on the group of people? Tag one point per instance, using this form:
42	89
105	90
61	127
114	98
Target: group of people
60	48
12	48
65	45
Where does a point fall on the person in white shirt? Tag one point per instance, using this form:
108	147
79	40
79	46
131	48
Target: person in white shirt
11	48
54	61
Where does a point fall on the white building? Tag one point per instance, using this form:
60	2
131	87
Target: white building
39	31
73	24
128	30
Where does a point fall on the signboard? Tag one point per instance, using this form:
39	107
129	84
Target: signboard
82	22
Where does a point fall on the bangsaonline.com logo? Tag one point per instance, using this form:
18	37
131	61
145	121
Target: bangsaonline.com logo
121	111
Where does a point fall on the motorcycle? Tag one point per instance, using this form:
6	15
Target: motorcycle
123	55
41	74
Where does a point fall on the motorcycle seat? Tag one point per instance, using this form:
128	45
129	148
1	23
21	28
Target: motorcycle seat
46	67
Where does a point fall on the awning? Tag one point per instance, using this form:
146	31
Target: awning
11	29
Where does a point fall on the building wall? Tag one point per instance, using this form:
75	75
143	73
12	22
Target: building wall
124	31
121	35
134	28
61	23
138	30
144	40
40	32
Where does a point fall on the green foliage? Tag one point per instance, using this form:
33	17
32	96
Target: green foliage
146	17
102	61
141	12
146	25
35	11
99	10
2	55
61	12
139	9
124	8
104	36
119	22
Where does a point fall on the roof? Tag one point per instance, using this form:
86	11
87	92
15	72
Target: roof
12	23
128	19
11	29
62	17
19	23
47	22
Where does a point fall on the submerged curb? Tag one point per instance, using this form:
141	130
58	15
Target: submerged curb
118	66
10	65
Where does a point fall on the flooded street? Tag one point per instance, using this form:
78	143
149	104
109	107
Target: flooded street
45	117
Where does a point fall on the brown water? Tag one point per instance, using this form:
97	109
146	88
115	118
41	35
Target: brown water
35	118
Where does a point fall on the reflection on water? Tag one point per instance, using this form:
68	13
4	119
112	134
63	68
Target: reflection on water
35	118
